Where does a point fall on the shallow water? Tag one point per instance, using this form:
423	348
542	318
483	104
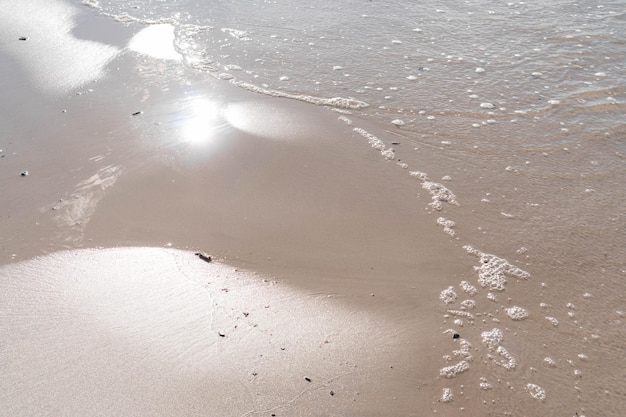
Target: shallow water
518	110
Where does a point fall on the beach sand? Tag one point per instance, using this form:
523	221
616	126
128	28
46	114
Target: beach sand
323	294
346	260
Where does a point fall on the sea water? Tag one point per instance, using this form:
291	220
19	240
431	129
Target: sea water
511	116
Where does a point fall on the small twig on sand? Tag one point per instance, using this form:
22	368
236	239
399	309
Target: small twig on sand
203	256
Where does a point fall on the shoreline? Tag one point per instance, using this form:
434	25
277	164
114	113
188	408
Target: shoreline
154	154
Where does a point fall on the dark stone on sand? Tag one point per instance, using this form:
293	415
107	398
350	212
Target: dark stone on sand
24	174
137	113
332	393
23	38
456	336
221	334
307	379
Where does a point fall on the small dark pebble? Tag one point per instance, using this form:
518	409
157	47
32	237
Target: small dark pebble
456	336
137	113
395	143
246	314
221	334
307	379
23	38
24	174
332	393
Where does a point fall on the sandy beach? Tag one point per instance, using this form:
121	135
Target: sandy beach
338	283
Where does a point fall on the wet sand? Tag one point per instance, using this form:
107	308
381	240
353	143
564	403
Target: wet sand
331	249
344	261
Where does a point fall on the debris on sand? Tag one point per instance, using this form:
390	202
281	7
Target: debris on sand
204	256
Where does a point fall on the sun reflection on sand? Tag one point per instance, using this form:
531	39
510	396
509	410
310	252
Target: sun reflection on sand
202	123
156	41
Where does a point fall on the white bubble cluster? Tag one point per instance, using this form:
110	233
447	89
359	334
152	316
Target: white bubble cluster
447	395
507	361
339	102
464	351
447	225
492	338
448	296
548	361
440	194
460	313
517	313
468	304
553	321
419	175
536	391
375	143
346	120
484	384
493	270
454	370
468	288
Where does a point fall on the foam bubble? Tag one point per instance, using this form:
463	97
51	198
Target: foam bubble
376	143
461	313
446	395
454	370
340	102
553	321
480	70
448	296
388	153
447	225
492	338
397	122
419	175
484	385
465	350
517	313
536	391
493	270
468	288
468	304
440	194
508	361
549	362
487	105
345	120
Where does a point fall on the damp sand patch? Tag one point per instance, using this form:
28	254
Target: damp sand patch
149	331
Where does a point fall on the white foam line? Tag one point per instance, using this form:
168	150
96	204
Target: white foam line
340	102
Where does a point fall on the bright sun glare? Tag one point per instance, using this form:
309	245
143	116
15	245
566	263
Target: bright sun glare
201	122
